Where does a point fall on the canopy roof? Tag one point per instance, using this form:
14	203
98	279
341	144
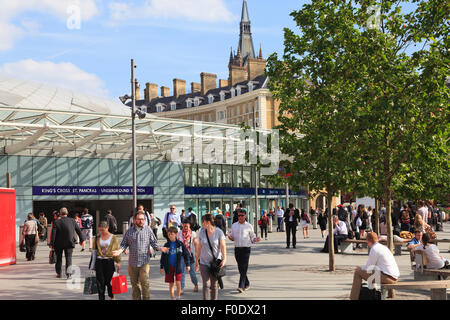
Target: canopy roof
37	119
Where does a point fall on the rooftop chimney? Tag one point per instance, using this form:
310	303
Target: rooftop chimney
223	83
209	81
196	87
150	91
165	91
179	87
137	92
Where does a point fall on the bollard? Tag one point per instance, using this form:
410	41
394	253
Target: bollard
124	227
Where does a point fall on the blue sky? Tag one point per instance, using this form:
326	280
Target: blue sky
167	38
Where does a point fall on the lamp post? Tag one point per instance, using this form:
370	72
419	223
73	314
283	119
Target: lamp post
141	114
256	178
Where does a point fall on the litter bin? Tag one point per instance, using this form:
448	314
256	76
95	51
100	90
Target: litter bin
124	227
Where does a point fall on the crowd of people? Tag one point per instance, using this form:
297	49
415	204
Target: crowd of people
193	246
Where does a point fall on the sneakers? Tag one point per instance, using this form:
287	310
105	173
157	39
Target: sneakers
69	277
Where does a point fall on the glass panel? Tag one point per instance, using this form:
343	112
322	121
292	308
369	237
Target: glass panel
246	178
215	205
237	176
190	175
203	175
203	207
227	176
191	203
216	175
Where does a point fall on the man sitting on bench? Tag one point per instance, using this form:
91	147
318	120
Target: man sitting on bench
380	258
340	233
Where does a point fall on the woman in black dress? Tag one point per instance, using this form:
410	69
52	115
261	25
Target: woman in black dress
322	220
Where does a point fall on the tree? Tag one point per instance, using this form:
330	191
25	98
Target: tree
381	109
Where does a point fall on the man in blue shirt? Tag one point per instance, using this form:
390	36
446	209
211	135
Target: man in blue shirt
171	219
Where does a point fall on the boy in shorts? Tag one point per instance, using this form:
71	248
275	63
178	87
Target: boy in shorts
171	262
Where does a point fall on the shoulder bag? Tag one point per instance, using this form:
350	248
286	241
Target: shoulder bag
214	267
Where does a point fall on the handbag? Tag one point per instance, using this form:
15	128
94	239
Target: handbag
90	285
167	224
119	284
22	247
52	257
93	259
214	267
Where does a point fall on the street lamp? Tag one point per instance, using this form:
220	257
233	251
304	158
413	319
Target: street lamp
141	115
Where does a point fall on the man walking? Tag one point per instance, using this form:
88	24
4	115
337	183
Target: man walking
139	238
87	223
62	240
291	218
243	236
171	219
112	222
236	213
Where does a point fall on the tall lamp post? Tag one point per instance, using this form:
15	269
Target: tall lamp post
256	179
141	114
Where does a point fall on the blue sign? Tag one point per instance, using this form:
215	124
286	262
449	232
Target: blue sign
242	191
89	191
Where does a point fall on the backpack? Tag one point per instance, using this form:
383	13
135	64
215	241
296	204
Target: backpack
86	223
369	294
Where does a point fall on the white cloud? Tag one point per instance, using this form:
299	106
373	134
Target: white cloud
9	32
64	74
192	10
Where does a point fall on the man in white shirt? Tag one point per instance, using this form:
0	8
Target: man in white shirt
423	211
380	260
280	214
340	233
243	236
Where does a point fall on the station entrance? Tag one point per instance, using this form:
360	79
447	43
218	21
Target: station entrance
121	209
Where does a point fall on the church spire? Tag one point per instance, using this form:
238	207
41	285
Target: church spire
260	52
245	38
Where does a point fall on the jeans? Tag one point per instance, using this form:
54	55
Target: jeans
104	271
210	284
68	255
192	274
242	256
280	224
140	282
263	231
291	227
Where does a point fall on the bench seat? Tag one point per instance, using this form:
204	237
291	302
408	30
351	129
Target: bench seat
437	288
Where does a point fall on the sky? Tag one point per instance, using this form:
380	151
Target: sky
43	40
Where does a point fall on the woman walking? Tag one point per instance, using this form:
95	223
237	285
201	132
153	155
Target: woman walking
31	237
105	243
211	246
189	239
322	220
304	223
264	223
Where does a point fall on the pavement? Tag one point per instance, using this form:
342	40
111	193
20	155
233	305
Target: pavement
275	273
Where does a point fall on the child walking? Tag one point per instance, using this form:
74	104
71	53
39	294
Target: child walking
171	262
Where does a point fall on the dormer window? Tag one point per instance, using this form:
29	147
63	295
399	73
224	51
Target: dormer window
188	103
233	92
196	101
173	106
159	107
239	90
222	95
250	86
210	98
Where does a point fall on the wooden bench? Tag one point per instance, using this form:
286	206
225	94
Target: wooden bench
438	289
346	245
438	274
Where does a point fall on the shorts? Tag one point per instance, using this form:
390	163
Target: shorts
172	277
87	233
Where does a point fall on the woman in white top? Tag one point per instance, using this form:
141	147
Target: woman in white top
431	251
105	243
30	232
189	238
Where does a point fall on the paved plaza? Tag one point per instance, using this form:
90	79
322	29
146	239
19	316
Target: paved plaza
275	273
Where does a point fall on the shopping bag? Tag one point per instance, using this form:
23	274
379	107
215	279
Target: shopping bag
119	284
93	260
22	247
52	257
90	285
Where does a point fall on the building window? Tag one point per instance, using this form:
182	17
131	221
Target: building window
203	117
222	95
210	117
227	176
173	106
203	175
221	115
246	177
196	101
233	92
237	176
159	108
190	175
210	98
189	103
250	86
232	112
216	175
239	90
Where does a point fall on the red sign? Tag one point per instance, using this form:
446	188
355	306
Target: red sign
7	227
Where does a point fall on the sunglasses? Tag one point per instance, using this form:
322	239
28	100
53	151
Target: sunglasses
241	215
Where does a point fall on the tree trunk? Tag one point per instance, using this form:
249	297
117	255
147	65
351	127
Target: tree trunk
377	217
390	234
330	231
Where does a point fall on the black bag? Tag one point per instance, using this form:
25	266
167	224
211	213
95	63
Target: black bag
369	294
52	257
22	247
165	229
214	267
